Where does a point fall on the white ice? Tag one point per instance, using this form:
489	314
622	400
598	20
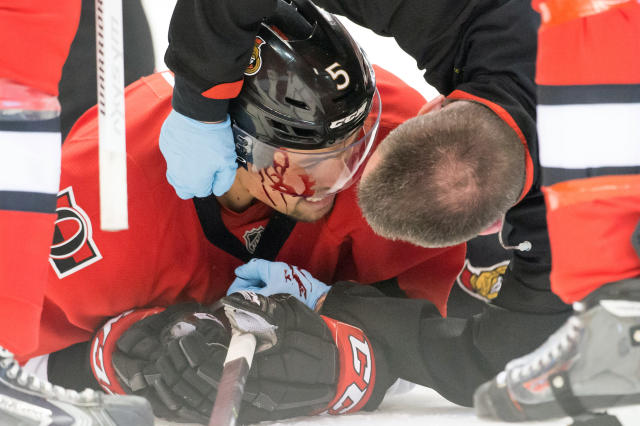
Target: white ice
424	407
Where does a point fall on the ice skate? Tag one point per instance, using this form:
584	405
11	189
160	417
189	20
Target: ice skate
591	362
27	400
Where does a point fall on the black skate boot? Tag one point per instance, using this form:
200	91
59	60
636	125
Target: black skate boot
591	362
26	400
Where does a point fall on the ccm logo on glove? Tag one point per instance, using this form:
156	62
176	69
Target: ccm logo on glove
357	368
104	343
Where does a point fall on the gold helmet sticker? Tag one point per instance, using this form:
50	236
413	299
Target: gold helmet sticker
255	63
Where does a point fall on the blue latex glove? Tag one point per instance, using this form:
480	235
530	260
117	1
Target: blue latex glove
201	157
268	278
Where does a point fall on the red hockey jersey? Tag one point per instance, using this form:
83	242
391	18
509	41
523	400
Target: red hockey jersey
166	256
35	37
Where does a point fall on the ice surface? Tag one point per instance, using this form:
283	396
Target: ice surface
425	407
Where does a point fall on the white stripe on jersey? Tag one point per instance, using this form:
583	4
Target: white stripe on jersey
30	161
589	135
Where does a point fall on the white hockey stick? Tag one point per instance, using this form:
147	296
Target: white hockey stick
234	375
112	145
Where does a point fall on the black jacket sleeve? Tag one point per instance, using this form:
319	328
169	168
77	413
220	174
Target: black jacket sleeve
429	30
210	44
453	356
410	337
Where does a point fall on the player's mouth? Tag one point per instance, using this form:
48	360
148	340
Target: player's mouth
320	201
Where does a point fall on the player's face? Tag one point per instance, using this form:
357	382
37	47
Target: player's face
286	187
302	183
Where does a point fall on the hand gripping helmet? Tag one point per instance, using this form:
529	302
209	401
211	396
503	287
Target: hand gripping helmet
308	99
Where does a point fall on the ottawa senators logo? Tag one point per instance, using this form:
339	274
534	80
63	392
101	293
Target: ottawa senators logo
255	63
482	282
73	247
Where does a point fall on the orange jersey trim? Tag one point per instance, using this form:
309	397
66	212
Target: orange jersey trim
596	49
590	222
555	12
565	194
224	90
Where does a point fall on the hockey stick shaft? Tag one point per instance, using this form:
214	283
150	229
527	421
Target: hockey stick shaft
111	123
234	375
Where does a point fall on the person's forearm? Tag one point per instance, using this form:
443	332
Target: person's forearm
320	302
419	345
210	44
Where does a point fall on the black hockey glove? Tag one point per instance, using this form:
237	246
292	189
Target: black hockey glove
305	363
333	355
128	352
294	373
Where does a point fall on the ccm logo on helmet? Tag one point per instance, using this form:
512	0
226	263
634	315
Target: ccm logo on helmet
349	118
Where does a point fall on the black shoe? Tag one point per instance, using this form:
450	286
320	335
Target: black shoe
26	400
591	362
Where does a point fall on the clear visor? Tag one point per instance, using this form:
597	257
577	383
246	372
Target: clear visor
313	174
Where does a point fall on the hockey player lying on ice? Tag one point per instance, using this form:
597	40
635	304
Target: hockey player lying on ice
299	152
283	206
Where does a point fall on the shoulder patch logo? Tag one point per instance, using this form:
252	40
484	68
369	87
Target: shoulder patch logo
73	247
255	63
252	238
482	282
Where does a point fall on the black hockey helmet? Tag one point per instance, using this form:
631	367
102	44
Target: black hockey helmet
309	91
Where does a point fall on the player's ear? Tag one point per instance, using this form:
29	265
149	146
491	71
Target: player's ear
434	104
495	227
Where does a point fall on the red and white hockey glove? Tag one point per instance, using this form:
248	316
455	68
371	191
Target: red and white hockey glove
103	346
127	351
305	364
